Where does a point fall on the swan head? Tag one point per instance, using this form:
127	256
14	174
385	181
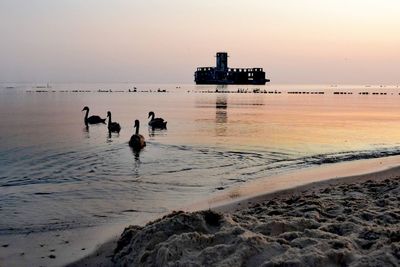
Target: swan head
136	124
85	108
151	113
108	114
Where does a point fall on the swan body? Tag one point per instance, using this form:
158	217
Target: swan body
156	123
92	119
137	140
113	127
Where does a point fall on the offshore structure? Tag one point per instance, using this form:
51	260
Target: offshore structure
222	74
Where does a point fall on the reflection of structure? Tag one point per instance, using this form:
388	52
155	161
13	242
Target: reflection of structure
221	88
221	74
221	116
221	105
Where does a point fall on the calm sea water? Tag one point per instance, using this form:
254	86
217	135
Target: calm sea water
55	174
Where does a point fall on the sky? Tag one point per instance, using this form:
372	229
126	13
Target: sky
163	41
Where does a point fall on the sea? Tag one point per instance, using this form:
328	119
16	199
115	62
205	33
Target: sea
57	174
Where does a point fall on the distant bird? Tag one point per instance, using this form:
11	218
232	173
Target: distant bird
157	123
137	140
92	119
113	127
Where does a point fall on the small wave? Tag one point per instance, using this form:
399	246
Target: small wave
82	187
179	170
351	156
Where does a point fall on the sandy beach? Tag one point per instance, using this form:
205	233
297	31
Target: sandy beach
347	221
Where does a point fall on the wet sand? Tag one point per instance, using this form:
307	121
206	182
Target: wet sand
353	220
53	248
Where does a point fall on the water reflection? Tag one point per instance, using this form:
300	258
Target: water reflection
109	135
136	154
136	165
221	88
154	132
108	138
85	131
221	115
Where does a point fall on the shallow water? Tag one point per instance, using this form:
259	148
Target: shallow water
55	174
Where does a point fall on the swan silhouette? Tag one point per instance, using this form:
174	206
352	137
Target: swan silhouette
137	140
112	126
92	119
156	123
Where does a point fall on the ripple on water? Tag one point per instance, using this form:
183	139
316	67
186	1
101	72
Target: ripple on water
76	187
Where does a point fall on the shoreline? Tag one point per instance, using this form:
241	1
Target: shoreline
381	169
253	193
296	179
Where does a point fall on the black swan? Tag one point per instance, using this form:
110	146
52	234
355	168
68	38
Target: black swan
92	119
113	126
137	140
156	123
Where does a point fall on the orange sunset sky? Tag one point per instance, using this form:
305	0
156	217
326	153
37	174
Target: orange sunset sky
158	41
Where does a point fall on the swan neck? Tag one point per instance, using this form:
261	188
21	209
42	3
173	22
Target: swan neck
137	129
152	116
109	120
86	118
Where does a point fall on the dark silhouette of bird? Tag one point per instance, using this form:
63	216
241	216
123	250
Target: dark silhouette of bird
113	127
92	119
137	140
156	123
